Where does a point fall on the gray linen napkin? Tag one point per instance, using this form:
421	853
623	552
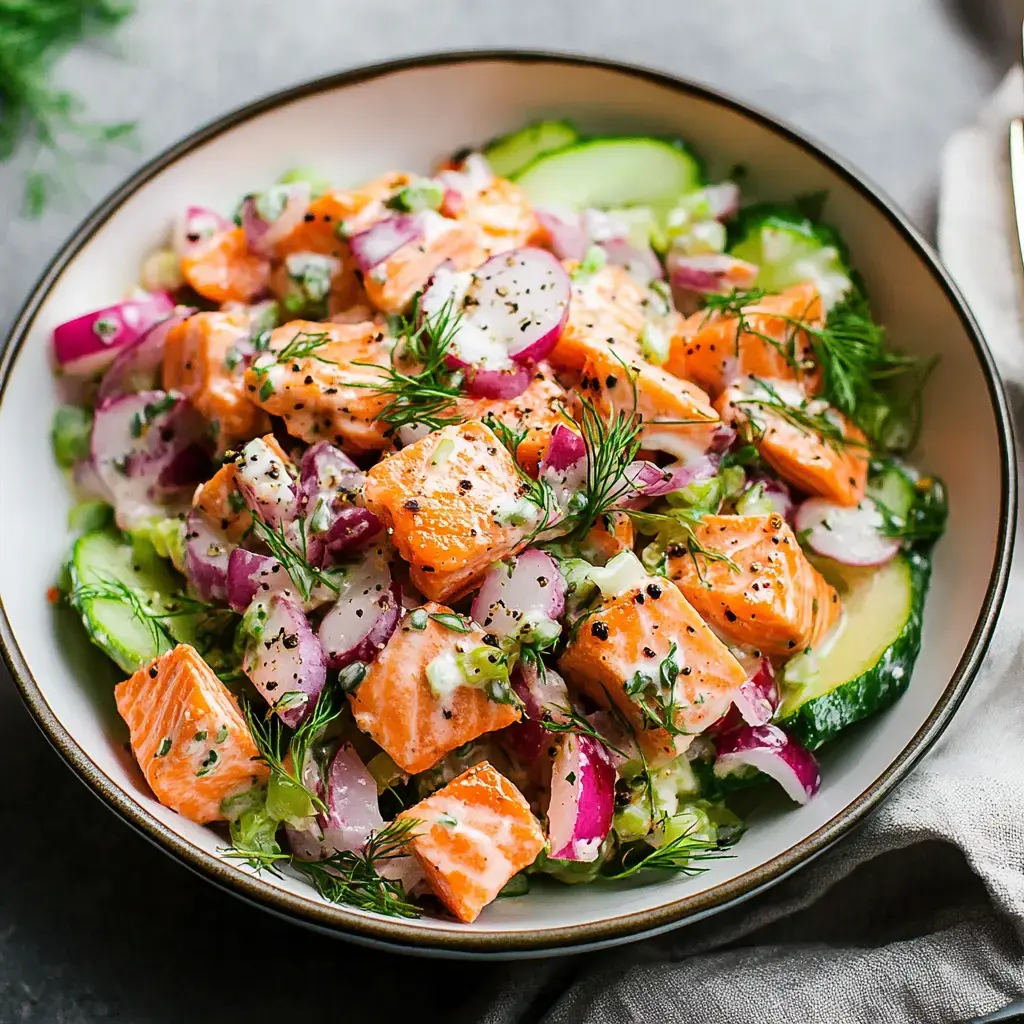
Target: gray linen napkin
919	915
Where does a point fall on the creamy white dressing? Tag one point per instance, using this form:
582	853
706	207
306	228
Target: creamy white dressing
266	475
445	675
623	572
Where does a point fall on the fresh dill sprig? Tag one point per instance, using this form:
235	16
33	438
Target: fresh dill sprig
538	492
352	878
730	304
421	385
301	571
575	723
676	527
678	854
655	696
33	34
305	345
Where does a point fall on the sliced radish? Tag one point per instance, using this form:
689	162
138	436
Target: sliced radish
207	555
286	662
640	262
517	598
139	365
711	272
250	574
274	214
353	528
849	534
566	237
374	245
266	483
754	703
582	798
364	616
195	228
768	749
544	696
84	346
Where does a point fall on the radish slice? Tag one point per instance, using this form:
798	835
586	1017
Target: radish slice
353	528
709	273
139	365
87	344
196	226
286	662
566	237
274	214
207	555
517	599
768	749
512	308
147	452
544	696
507	383
582	798
363	618
758	697
265	483
641	263
251	574
850	535
374	245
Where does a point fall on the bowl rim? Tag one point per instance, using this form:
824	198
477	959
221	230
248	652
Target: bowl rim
394	934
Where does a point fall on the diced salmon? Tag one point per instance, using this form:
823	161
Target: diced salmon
834	468
476	833
538	410
503	217
221	502
774	600
190	740
716	350
447	500
225	270
612	533
607	308
203	361
392	284
327	395
635	632
399	708
677	416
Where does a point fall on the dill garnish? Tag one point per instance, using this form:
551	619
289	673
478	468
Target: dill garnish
678	854
675	527
575	723
302	572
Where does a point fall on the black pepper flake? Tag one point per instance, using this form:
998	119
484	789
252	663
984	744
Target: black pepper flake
653	591
599	630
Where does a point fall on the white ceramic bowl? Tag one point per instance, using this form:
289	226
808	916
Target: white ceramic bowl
408	115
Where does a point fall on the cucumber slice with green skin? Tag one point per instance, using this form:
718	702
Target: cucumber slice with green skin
606	173
892	487
509	154
868	665
102	560
789	249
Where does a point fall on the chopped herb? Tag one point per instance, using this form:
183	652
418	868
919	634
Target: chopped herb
222	734
452	622
165	747
207	765
301	571
418	619
351	676
679	854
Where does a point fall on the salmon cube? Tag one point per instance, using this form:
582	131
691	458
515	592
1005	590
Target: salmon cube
328	394
715	350
190	740
606	309
415	720
773	600
635	632
220	500
450	501
475	834
834	467
677	416
202	359
225	270
503	217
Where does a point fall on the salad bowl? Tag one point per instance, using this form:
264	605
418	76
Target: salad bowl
349	127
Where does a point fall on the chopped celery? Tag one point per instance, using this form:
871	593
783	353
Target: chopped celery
318	184
161	536
287	802
422	194
754	502
72	427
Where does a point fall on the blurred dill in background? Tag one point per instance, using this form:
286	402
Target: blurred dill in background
36	113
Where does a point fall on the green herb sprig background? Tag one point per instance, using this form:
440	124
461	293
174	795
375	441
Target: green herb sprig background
34	112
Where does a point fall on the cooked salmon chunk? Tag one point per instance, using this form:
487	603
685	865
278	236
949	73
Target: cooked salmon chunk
415	700
187	733
327	391
637	631
768	341
677	416
475	834
203	360
502	215
450	501
773	599
225	270
833	466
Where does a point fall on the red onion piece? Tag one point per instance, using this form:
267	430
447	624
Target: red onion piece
250	574
641	263
768	749
196	226
565	450
543	696
374	245
582	798
710	272
139	365
262	235
567	239
87	344
851	535
364	616
207	554
515	596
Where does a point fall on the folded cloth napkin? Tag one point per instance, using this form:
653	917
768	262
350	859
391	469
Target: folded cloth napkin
919	915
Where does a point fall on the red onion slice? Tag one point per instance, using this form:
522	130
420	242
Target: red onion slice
207	555
768	749
195	227
374	245
851	535
274	214
710	272
567	238
352	808
139	365
515	597
544	695
582	798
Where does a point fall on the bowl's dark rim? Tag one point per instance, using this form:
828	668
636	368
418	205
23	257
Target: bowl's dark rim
396	934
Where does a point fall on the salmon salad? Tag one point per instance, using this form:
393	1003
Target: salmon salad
538	515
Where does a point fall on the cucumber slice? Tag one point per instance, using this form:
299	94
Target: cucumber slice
509	154
607	173
868	664
101	561
893	488
790	249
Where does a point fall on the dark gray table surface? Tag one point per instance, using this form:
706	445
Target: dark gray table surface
95	923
